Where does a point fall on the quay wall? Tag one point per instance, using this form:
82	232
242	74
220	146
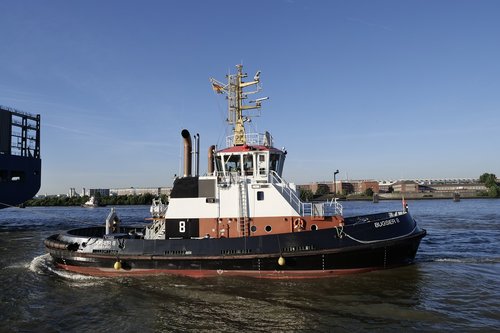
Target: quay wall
433	195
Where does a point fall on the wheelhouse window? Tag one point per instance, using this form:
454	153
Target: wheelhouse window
262	164
218	163
233	163
248	164
276	163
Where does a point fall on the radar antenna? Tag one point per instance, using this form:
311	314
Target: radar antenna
235	96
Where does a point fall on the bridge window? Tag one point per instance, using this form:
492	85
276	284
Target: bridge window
276	163
248	164
233	163
262	164
218	163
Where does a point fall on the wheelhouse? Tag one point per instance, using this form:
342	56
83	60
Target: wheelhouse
255	161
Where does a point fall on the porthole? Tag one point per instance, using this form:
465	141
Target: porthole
268	228
253	228
314	227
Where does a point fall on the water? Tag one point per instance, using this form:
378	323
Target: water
454	285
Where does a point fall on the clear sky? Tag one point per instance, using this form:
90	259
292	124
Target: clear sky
376	89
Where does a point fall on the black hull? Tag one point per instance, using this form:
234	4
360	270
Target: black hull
363	244
15	192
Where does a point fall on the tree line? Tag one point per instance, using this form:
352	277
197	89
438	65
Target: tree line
488	179
490	182
115	200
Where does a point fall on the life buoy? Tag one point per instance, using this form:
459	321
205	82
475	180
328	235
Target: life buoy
299	224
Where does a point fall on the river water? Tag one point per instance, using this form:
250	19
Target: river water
453	286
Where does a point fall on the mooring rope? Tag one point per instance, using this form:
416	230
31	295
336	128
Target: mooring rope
340	232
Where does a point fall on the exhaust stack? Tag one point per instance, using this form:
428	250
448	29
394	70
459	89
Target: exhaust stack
196	154
187	152
210	169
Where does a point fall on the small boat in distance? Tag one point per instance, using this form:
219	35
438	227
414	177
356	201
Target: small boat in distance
240	219
91	203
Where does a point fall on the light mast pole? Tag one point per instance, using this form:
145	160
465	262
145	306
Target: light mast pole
335	182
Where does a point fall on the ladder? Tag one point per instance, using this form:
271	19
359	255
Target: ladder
243	218
156	230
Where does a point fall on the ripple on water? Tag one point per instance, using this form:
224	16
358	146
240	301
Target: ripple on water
453	285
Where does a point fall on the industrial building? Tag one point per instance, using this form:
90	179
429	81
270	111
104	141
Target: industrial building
105	192
397	186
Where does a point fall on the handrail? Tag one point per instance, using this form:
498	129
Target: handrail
252	139
339	209
305	208
286	191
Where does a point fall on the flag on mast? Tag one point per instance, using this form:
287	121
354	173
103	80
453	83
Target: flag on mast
217	86
218	89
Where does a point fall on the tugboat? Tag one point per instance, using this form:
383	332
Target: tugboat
241	219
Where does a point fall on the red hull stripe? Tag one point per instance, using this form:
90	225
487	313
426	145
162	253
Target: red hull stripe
309	274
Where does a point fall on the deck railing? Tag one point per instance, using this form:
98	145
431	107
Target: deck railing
326	208
253	139
286	191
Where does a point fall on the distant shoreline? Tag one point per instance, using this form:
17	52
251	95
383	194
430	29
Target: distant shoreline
146	199
406	196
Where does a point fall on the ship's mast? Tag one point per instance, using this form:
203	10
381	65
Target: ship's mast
235	96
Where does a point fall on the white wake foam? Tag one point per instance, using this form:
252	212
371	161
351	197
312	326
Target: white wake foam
469	260
44	265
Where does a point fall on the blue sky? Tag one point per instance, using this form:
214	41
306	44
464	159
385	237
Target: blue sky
376	89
